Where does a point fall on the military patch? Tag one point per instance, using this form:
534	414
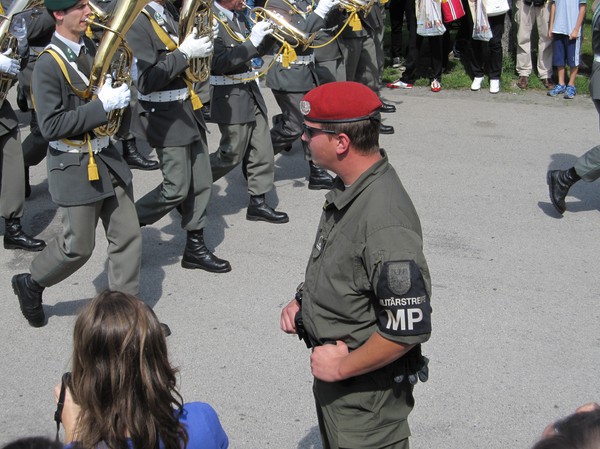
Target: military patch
71	56
398	277
159	19
305	107
222	16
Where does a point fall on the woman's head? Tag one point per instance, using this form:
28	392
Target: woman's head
121	375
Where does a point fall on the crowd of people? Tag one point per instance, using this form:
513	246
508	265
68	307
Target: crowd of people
365	305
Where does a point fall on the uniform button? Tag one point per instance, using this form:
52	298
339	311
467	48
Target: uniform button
226	96
152	110
61	164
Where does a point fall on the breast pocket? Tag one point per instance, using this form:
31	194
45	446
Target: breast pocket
59	160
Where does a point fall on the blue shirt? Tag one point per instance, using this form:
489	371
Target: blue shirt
566	15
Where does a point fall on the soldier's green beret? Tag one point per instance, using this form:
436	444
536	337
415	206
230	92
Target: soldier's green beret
59	5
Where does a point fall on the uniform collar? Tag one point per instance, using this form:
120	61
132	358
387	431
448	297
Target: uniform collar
340	196
226	12
72	48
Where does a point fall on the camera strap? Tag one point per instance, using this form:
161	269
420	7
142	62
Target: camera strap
60	404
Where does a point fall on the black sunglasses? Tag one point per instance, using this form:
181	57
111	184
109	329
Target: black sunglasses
310	131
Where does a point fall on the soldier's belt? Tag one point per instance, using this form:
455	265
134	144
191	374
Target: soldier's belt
164	96
596	58
300	60
238	78
98	144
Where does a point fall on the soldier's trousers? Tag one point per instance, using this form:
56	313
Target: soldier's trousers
288	127
588	165
70	250
360	57
186	182
250	142
12	188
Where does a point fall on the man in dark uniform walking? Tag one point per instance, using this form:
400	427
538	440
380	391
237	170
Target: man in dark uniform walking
168	116
87	176
239	108
364	306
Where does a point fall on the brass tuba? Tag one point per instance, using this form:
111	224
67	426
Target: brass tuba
8	41
282	30
199	14
114	57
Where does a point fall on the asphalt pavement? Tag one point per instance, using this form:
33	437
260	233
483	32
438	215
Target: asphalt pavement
515	339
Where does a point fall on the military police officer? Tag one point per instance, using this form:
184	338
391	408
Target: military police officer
364	306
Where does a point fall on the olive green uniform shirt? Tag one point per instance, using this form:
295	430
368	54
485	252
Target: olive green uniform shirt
367	272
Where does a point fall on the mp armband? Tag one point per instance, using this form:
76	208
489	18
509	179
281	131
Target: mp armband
403	304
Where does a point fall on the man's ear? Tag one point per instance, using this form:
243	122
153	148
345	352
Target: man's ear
58	15
343	144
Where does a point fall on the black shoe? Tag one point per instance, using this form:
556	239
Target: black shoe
386	129
319	178
29	293
134	159
197	255
559	183
259	210
27	184
166	330
387	107
15	237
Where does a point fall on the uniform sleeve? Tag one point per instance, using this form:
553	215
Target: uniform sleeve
55	118
157	67
400	279
229	59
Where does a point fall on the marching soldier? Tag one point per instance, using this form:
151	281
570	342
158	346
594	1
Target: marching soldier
290	78
239	109
329	58
12	187
168	116
361	55
87	176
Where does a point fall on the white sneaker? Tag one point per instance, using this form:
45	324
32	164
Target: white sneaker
494	86
476	84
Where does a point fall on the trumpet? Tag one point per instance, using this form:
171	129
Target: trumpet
283	31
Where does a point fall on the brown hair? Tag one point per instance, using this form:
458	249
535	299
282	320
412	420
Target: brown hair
577	431
363	134
122	378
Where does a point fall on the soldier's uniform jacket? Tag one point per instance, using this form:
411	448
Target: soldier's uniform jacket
234	103
295	77
162	124
64	115
333	50
370	23
367	272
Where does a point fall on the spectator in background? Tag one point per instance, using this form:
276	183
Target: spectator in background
566	19
530	13
33	443
580	430
122	390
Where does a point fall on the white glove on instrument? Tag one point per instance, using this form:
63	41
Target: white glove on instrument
9	65
193	47
324	7
114	97
259	31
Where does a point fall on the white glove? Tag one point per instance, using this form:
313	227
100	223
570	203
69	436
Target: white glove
9	65
193	47
324	7
259	31
215	27
114	97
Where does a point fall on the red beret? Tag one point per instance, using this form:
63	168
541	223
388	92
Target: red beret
343	101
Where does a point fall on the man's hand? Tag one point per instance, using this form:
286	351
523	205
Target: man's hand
114	97
574	34
324	7
194	47
288	315
259	32
70	413
325	361
9	65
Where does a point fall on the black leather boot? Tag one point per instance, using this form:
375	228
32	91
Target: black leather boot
15	237
319	178
29	293
559	183
27	184
259	210
386	129
197	255
387	107
133	157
